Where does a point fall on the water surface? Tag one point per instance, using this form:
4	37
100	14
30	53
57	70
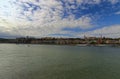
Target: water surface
58	62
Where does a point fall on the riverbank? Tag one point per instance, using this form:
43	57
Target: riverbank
80	45
90	41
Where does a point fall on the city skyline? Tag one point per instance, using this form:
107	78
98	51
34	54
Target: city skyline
60	18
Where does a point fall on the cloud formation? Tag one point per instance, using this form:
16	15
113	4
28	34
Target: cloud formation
118	13
108	31
41	18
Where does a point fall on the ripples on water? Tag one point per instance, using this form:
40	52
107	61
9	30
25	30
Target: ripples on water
58	62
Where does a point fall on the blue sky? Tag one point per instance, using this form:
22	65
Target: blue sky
60	18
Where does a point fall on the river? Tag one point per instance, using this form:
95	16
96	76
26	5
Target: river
58	62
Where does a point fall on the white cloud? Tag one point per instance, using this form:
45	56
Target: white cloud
44	21
114	1
118	13
109	31
20	18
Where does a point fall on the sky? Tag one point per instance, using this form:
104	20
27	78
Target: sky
60	18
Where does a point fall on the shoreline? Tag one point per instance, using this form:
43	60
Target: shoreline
81	45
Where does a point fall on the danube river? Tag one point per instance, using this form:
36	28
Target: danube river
58	62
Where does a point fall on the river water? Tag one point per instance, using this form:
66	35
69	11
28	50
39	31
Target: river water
58	62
